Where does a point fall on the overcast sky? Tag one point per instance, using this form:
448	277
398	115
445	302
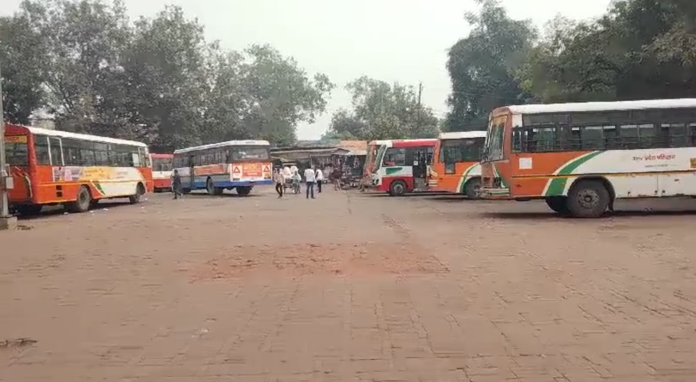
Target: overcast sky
393	40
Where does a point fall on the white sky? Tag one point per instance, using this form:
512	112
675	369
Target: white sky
393	40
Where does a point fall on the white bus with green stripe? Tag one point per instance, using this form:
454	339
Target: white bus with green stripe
581	157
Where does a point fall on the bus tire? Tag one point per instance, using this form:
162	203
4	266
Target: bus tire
29	209
558	204
83	201
588	199
210	186
243	190
397	188
472	188
139	192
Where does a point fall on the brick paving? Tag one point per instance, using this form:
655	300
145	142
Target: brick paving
353	288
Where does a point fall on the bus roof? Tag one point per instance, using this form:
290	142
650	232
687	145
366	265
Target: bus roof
223	144
601	106
412	143
378	142
84	137
161	156
463	135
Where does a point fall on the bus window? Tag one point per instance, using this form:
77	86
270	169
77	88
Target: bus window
395	157
16	151
43	154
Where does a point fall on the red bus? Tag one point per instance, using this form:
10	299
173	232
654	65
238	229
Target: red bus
51	167
162	171
402	166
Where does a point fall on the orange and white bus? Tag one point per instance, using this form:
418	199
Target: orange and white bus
581	157
162	171
456	167
51	167
238	165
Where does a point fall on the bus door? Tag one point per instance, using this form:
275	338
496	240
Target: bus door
420	170
192	174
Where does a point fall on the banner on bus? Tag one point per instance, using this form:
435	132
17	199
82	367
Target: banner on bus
15	139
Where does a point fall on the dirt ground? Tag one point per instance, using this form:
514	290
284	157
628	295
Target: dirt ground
349	287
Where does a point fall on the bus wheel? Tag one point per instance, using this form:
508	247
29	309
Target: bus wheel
139	192
210	186
472	188
588	199
243	191
397	188
558	204
29	209
84	200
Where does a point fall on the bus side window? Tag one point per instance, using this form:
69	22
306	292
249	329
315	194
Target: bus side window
575	139
43	155
516	140
56	145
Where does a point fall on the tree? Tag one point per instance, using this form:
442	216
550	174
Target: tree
155	80
483	66
166	63
383	111
346	126
22	81
279	95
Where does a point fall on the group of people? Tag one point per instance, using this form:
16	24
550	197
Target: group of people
313	177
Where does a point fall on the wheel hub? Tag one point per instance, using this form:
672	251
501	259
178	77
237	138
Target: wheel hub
588	198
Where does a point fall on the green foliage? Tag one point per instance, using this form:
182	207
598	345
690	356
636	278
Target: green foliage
640	49
155	79
383	111
482	66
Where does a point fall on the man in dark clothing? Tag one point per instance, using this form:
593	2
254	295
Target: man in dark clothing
176	184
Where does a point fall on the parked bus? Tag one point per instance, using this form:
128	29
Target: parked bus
162	171
580	157
51	167
402	166
456	168
238	165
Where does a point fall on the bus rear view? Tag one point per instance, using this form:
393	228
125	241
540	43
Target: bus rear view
233	165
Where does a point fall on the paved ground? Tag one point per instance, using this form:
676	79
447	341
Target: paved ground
348	288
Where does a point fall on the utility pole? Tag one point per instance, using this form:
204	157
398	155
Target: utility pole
7	221
418	110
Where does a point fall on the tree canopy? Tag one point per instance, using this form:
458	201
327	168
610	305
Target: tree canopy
383	111
153	79
640	49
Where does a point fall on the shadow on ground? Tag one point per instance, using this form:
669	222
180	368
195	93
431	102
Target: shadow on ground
536	216
49	212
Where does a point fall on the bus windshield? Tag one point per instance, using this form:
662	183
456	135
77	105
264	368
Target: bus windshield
162	164
379	156
249	153
16	151
494	140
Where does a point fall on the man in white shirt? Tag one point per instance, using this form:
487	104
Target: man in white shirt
320	179
310	179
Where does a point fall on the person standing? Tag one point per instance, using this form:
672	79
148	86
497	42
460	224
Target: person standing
320	178
279	182
310	179
336	178
176	184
